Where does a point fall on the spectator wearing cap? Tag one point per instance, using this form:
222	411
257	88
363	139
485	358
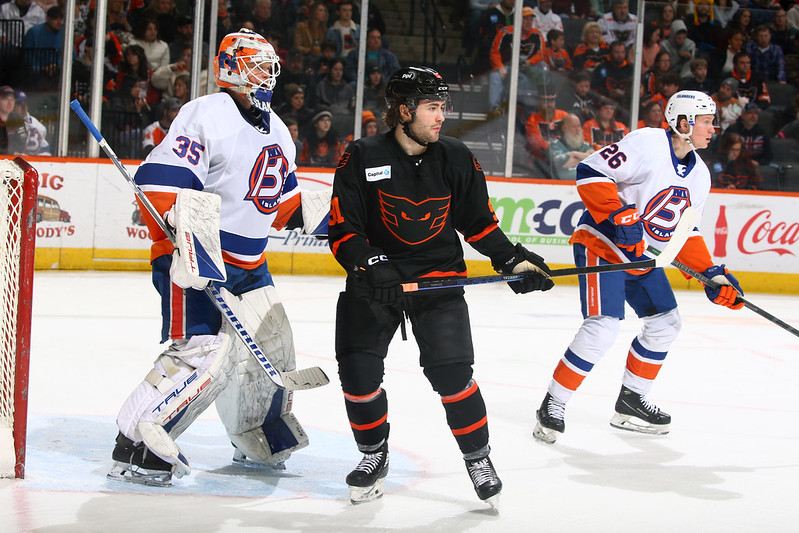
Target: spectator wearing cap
543	125
294	106
368	128
618	24
344	32
156	132
7	102
604	129
31	133
374	90
680	48
531	53
546	19
29	12
44	42
756	142
728	105
375	52
293	72
767	58
751	85
321	147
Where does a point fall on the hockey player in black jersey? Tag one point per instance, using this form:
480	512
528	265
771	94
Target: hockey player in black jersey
399	200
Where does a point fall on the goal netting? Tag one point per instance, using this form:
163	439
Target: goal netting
18	183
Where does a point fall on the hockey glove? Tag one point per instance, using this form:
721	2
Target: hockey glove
629	229
728	289
380	281
526	262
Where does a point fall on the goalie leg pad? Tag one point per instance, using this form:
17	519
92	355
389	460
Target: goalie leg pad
185	379
255	412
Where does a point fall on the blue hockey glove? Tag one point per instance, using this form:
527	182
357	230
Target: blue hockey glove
526	262
629	229
728	289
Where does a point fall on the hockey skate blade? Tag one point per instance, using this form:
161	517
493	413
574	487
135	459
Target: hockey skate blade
637	425
493	501
359	495
304	379
128	474
241	459
545	435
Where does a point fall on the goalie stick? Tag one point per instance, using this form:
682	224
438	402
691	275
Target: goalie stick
683	229
749	305
308	378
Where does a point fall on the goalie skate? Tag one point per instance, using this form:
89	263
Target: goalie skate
240	458
367	479
134	463
635	413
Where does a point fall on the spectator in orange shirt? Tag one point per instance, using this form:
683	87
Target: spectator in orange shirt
555	53
604	129
531	53
652	116
592	48
543	126
155	132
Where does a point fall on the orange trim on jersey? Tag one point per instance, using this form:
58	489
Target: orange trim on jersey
363	399
469	429
246	265
482	234
364	427
285	210
341	241
177	316
695	254
566	377
642	369
600	198
465	393
159	248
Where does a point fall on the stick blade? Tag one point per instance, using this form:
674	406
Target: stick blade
685	226
304	379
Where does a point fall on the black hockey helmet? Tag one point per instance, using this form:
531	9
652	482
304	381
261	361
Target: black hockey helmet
408	85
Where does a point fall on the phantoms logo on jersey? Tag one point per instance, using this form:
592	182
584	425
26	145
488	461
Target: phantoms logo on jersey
663	212
266	179
411	222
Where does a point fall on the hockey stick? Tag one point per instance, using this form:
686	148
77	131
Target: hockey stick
308	378
664	258
749	305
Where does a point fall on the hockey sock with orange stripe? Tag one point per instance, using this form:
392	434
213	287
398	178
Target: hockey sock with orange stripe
466	417
368	416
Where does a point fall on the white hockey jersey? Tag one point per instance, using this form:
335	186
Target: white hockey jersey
640	169
211	147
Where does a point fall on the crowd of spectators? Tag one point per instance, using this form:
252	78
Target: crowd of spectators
733	51
576	64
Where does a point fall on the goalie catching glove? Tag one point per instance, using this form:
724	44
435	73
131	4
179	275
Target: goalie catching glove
377	279
629	229
727	287
524	261
197	258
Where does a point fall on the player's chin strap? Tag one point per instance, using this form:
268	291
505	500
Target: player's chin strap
406	127
686	136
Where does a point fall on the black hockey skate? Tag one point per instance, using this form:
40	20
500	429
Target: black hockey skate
487	484
366	481
136	464
635	413
550	420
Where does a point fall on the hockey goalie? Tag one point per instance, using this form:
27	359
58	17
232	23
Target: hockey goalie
222	177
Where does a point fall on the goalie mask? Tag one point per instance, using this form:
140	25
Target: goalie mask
248	64
688	104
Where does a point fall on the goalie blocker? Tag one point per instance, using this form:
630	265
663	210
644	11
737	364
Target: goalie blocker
192	373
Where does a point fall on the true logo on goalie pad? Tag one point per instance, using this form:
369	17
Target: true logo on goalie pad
175	393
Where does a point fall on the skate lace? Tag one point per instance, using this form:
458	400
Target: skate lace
481	472
370	462
649	406
556	409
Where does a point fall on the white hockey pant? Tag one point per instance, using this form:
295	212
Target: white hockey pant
185	379
649	349
256	413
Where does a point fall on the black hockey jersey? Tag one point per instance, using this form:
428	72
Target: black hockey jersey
411	208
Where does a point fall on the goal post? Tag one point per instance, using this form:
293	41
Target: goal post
18	216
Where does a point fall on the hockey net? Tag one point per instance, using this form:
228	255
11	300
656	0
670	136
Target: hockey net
18	184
